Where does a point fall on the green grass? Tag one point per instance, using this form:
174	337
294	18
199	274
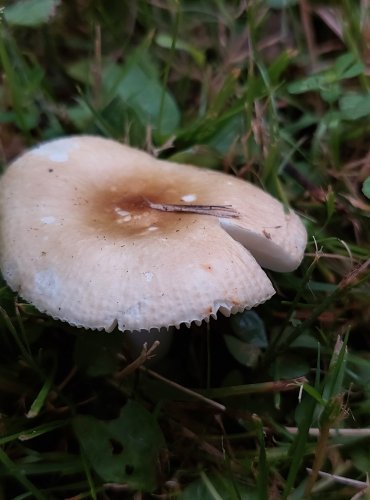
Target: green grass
277	92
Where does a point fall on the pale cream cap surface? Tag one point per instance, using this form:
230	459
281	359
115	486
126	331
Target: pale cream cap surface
79	241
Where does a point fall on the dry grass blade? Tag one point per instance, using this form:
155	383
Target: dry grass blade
362	485
185	390
350	433
223	211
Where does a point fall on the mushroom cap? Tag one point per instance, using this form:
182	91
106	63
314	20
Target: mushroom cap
79	241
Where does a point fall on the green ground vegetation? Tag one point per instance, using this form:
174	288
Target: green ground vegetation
278	93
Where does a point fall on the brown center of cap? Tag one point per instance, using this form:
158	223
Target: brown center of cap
124	208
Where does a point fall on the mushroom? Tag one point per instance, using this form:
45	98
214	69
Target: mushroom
102	235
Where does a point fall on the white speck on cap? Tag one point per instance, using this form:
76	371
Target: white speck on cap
49	219
94	273
126	216
56	151
122	213
189	197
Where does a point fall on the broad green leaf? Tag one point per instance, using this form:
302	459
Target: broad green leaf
355	70
326	82
31	13
332	93
348	66
314	82
354	106
96	353
304	341
124	450
227	133
366	188
137	86
289	365
142	91
249	327
244	353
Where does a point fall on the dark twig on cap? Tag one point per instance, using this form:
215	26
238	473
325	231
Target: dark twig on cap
225	211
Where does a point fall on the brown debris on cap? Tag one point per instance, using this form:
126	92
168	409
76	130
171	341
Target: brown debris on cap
83	237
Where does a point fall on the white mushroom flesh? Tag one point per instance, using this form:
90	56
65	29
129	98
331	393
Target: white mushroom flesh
80	242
